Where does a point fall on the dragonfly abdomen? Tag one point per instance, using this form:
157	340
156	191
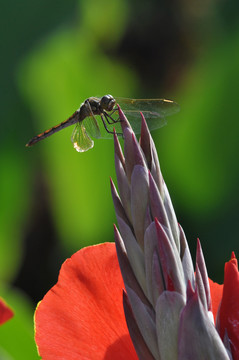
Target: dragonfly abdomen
70	121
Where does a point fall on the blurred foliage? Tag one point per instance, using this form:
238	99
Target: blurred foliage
17	334
54	82
204	171
55	200
207	124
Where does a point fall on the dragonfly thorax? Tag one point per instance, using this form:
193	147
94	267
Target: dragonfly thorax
96	106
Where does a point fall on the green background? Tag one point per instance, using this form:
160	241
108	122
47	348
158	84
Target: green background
53	200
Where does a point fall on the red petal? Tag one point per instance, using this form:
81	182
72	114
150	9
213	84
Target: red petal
82	316
216	296
5	312
229	311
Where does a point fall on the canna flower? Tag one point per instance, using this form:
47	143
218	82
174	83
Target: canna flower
5	312
167	309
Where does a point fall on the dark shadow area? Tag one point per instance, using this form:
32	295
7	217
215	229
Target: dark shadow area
42	253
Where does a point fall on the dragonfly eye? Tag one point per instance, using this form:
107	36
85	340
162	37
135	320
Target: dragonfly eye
107	102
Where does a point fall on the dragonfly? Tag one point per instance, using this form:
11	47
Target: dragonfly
97	117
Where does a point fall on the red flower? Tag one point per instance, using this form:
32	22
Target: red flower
228	315
82	316
216	296
5	312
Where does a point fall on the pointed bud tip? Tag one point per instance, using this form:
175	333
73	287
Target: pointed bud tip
111	182
134	140
138	157
144	126
199	249
113	191
190	291
124	122
122	115
158	225
116	235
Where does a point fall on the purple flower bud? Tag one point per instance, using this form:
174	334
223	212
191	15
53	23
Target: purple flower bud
167	305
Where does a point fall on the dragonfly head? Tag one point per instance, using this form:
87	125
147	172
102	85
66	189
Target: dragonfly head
107	102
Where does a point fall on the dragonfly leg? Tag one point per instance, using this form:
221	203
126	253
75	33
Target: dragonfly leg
109	116
113	111
103	117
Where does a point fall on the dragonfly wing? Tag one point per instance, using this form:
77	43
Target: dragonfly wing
161	106
91	126
80	139
154	120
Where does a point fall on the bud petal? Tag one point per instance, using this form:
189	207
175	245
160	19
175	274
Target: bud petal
170	262
154	278
148	147
134	253
124	187
198	338
168	308
203	271
145	320
126	269
186	259
139	201
141	348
